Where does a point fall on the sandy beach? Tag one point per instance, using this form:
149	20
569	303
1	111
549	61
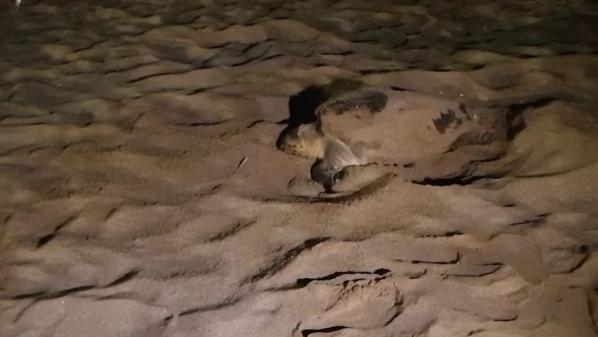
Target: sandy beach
143	191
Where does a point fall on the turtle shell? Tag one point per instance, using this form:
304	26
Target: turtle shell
391	126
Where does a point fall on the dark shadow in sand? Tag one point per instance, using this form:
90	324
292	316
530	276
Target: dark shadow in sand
302	108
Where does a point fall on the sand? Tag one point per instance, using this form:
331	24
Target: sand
142	193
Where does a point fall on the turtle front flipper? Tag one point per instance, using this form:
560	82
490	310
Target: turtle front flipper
325	174
337	156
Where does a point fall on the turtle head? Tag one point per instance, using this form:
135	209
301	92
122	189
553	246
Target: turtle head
304	140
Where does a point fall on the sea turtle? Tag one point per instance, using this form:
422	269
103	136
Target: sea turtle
357	125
